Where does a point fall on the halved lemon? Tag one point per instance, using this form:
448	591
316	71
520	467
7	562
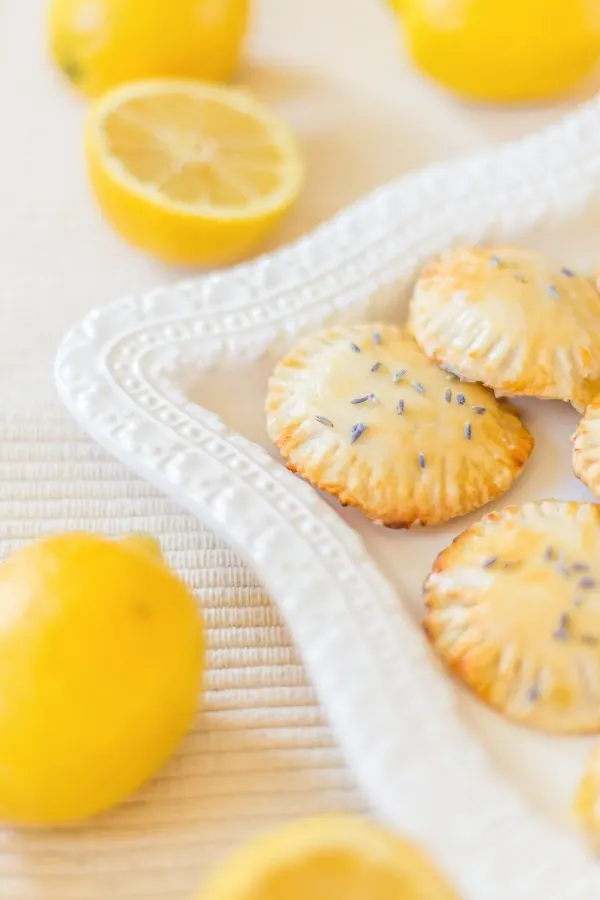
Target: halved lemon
191	172
327	858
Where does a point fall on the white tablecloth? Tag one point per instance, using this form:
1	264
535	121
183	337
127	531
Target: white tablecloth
261	750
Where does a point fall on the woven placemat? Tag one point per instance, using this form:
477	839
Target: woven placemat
260	751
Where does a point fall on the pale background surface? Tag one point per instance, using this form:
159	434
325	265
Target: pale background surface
262	750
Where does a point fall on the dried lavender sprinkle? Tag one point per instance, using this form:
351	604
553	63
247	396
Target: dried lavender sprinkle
375	366
397	376
355	347
579	567
468	431
518	277
376	337
373	398
400	407
549	554
589	639
448	395
446	367
323	420
533	693
460	399
479	410
357	430
586	582
422	462
553	292
361	399
568	272
489	561
562	632
418	387
494	262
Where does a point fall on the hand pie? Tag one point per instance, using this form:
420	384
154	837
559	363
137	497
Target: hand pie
586	449
513	321
513	609
362	414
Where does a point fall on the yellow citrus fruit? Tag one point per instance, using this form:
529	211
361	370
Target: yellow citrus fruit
503	50
188	171
101	655
101	43
327	858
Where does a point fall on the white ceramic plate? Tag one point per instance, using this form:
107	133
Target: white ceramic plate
173	383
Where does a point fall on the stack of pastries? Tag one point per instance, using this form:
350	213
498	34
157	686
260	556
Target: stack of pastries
410	425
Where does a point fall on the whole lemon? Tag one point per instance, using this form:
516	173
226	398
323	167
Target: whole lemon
503	50
101	654
102	43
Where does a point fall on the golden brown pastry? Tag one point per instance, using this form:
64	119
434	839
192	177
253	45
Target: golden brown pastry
586	805
512	320
586	448
513	609
361	413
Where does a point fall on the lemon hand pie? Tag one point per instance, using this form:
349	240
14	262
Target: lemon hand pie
586	805
513	608
361	413
586	448
510	319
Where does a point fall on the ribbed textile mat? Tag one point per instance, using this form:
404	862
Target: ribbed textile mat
260	751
